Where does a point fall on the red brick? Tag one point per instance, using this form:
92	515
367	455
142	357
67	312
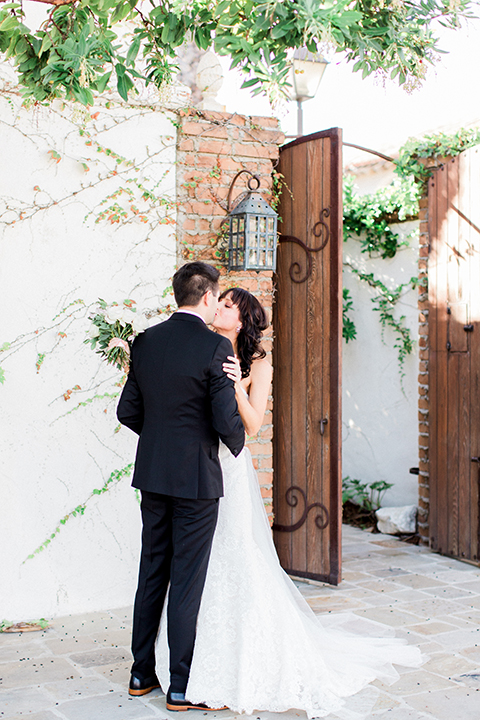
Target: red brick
266	492
423	342
205	160
264	121
423	329
256	151
275	137
186	145
215	147
189	224
423	403
423	466
265	477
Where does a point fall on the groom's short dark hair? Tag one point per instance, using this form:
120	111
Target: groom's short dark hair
191	282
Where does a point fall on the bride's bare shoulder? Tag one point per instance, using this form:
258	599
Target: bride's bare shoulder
261	370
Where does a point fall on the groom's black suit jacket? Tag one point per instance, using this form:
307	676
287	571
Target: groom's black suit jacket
180	402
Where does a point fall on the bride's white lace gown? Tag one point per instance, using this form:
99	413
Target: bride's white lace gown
259	646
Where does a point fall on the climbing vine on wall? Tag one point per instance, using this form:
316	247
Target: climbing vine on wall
368	219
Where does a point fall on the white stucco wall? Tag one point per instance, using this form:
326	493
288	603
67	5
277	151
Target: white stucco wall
380	428
50	460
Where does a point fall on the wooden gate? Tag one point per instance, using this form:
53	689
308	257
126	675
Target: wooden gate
454	328
307	360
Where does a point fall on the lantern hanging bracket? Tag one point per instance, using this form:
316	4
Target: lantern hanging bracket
250	180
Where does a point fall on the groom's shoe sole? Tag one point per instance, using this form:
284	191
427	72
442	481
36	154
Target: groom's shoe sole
182	707
143	691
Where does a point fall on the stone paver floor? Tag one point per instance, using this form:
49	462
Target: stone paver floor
79	668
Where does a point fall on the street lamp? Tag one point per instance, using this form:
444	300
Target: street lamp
305	77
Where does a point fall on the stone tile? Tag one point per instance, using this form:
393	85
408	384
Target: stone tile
24	700
114	638
470	584
394	618
79	687
35	672
416	682
459	639
87	623
432	628
418	581
380	586
118	673
401	714
431	607
68	644
472	616
321	605
449	592
101	656
391	572
470	602
354	576
46	715
448	665
453	703
472	653
470	679
458	621
407	595
113	706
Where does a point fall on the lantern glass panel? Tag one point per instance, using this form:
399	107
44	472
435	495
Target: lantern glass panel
262	258
252	223
271	224
263	241
252	256
241	224
270	258
263	224
234	225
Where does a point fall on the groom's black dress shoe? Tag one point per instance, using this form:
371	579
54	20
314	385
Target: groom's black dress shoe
138	686
177	702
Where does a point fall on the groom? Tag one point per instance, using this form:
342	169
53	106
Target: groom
180	402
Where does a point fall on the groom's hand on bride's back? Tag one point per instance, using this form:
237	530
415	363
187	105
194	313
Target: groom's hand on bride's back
225	416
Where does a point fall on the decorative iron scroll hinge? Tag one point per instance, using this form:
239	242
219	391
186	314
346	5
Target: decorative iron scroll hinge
321	521
319	229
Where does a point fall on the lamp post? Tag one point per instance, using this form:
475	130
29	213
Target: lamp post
305	77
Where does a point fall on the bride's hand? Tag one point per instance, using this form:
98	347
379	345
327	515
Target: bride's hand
232	369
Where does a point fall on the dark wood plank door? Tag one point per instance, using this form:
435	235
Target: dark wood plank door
307	359
454	326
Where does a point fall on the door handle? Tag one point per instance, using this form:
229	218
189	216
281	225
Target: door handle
322	425
468	328
476	459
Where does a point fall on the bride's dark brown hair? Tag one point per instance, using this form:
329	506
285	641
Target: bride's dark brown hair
254	321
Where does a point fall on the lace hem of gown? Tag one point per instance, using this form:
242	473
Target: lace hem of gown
259	646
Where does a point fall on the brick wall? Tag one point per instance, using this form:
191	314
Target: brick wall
212	148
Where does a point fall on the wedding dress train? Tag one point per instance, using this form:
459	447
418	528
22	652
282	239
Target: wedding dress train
259	646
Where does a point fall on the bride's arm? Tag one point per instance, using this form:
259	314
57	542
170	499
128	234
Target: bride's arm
252	407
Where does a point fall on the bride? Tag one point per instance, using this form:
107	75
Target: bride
259	646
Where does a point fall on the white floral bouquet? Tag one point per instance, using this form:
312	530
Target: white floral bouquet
113	329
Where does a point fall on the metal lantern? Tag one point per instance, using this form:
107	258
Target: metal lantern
252	238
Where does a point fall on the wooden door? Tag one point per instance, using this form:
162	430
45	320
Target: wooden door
454	327
307	359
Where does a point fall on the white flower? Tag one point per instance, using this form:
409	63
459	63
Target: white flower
113	313
93	331
128	315
140	322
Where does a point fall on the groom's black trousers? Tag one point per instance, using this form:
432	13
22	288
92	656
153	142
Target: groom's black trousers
176	541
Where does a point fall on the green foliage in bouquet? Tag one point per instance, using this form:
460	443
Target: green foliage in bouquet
113	329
